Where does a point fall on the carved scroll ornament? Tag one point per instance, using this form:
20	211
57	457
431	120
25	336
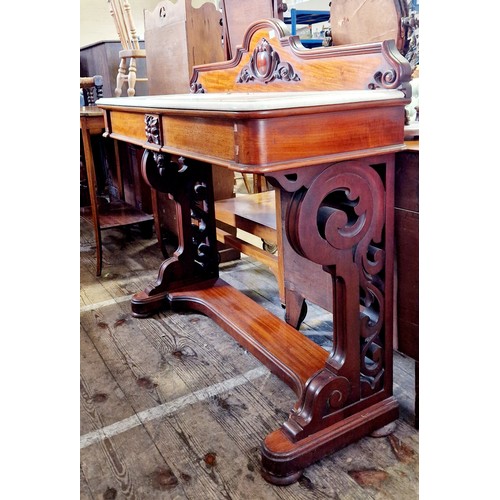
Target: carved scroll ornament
338	221
265	66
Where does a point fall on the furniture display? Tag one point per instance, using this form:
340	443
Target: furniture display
307	17
238	15
102	58
125	27
103	214
336	189
359	21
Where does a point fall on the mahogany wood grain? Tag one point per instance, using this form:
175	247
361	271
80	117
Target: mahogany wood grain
286	352
355	66
334	166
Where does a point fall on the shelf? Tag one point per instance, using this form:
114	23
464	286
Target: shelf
311	42
116	214
254	213
298	17
306	17
289	354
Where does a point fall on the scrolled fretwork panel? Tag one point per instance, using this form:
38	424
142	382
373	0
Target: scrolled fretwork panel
189	184
338	219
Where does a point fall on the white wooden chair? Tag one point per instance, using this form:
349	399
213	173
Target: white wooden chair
125	27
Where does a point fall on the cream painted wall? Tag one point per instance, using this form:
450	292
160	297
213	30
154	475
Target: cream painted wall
96	23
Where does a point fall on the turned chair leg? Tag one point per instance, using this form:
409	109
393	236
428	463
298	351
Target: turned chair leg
121	77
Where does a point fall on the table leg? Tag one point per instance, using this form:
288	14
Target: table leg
91	178
341	217
189	184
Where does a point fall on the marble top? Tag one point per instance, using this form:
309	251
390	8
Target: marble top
249	101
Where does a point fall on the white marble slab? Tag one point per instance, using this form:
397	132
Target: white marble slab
247	101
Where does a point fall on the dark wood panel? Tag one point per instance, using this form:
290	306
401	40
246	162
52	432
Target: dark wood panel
406	223
407	258
102	58
407	185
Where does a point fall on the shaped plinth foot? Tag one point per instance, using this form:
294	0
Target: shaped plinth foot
144	305
284	460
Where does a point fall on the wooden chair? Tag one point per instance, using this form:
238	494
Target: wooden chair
125	27
92	89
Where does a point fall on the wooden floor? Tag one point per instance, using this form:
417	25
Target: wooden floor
172	407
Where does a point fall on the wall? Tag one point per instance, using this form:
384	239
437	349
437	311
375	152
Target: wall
96	23
308	4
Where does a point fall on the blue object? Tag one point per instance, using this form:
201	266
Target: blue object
307	17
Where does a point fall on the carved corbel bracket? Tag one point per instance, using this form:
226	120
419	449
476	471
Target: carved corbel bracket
298	179
397	75
324	394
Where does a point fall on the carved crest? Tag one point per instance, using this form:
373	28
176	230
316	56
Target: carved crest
265	66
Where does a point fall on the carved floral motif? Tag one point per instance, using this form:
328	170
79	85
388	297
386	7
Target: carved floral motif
152	127
265	66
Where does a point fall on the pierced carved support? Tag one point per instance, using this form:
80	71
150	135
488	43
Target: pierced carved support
189	184
336	218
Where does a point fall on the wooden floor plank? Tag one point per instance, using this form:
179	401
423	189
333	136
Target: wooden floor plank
128	465
130	263
181	419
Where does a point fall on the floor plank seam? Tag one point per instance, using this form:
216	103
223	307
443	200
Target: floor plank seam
170	407
104	303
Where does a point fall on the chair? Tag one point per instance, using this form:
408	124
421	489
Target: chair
104	211
125	27
91	87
